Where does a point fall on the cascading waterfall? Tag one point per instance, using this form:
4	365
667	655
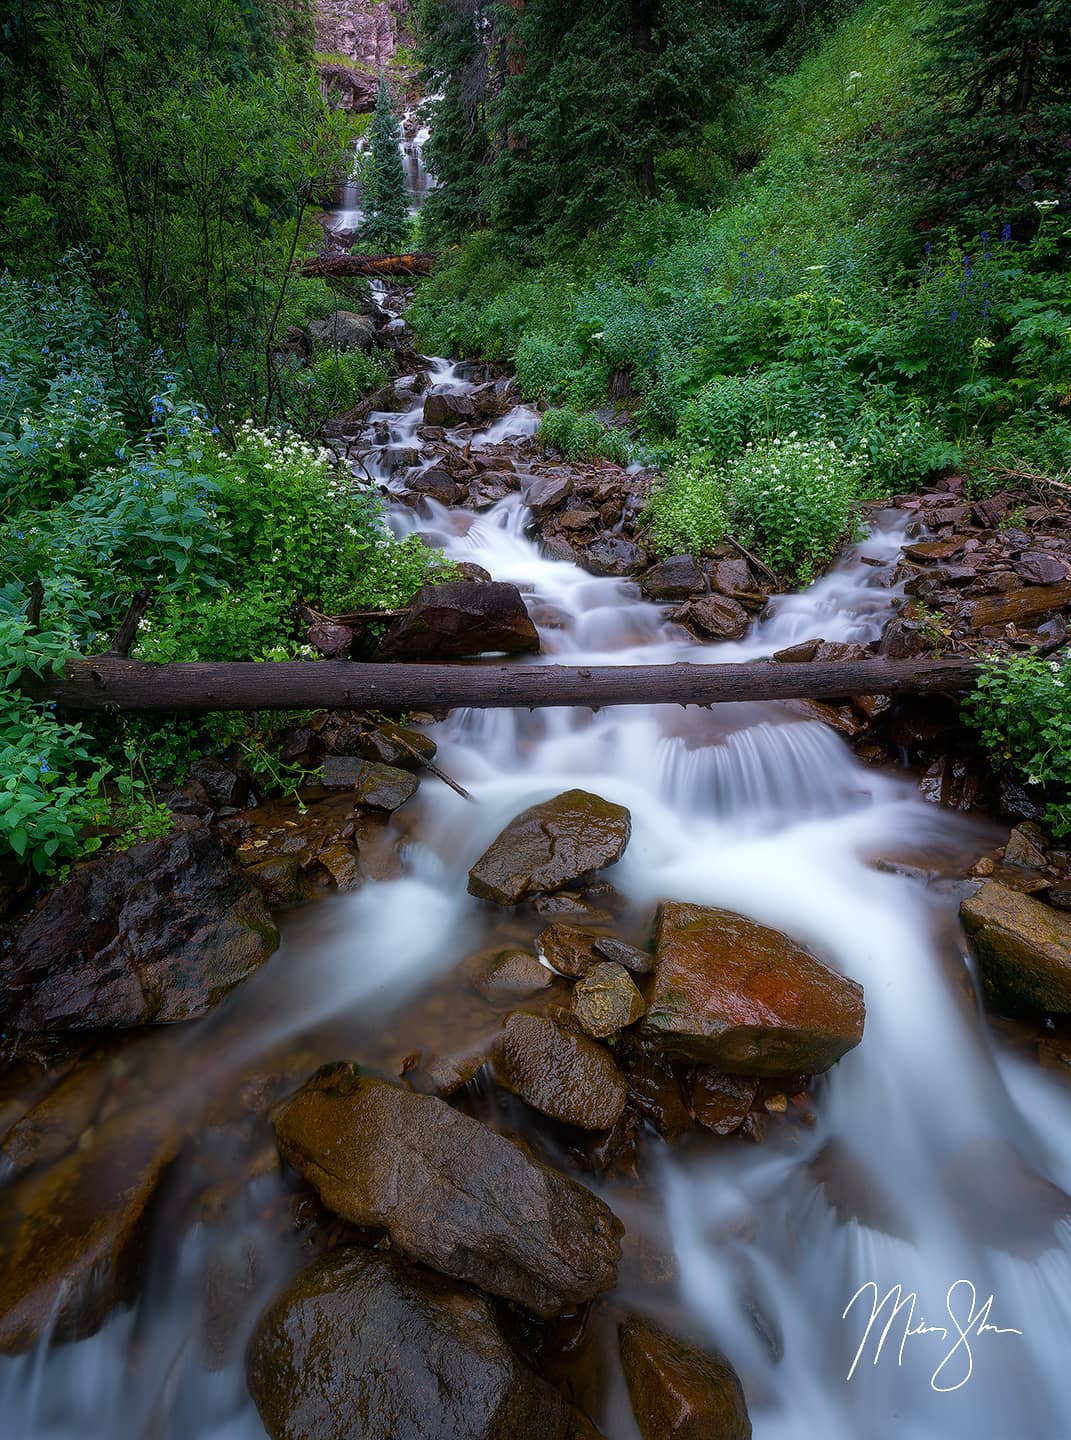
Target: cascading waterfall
935	1157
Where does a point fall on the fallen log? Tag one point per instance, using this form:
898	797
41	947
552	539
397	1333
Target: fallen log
337	267
107	683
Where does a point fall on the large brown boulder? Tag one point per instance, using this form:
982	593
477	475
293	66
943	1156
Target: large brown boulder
678	1392
451	1192
73	1231
566	1076
734	994
361	1347
1023	948
448	410
158	933
551	845
342	330
674	579
459	618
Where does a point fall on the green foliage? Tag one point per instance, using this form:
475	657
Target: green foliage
177	145
385	196
391	574
688	511
1021	711
579	436
797	499
337	380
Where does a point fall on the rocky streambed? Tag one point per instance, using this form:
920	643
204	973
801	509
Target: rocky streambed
585	1101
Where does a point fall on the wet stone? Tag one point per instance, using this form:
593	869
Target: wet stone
638	962
569	948
452	1193
384	787
563	1075
735	994
394	745
511	975
549	846
606	1001
362	1345
674	579
721	1102
679	1392
1023	948
460	618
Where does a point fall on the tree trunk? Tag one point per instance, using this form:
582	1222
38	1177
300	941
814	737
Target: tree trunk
106	683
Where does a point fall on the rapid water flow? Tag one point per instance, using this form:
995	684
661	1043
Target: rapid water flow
349	212
936	1155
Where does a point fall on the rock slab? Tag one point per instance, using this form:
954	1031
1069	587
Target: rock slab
451	1192
678	1392
566	1076
460	618
1023	948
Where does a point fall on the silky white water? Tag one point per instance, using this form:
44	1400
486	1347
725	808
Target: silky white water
935	1158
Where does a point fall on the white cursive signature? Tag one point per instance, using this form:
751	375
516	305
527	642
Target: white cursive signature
959	1360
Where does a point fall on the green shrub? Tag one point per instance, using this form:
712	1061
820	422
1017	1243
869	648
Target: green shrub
579	436
391	573
1021	711
796	498
337	380
688	510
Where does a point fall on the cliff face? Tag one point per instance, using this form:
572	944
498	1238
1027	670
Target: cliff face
369	33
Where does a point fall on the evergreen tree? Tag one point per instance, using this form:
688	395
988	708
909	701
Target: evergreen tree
456	41
994	136
386	195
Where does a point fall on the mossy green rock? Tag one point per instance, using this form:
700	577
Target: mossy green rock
1023	948
362	1346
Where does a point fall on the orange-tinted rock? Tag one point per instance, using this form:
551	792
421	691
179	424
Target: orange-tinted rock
451	1192
721	1102
746	999
551	845
678	1392
606	1001
566	1076
569	948
361	1345
1018	606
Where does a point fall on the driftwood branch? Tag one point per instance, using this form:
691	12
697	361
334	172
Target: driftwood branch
337	267
105	683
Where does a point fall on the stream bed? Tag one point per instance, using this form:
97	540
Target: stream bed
932	1157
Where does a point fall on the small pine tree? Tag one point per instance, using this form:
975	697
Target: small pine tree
386	195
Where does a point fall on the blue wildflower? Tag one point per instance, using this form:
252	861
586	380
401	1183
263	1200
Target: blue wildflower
1005	232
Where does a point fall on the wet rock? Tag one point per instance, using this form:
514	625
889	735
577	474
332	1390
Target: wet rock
73	1231
800	654
1023	948
563	1075
734	994
510	976
902	640
330	640
654	1088
716	616
223	784
613	555
56	1123
341	863
551	845
451	1192
547	493
157	933
1026	846
678	1392
384	787
606	1001
732	577
721	1102
280	880
394	745
437	484
932	550
362	1345
1040	567
448	410
459	618
637	962
674	579
569	948
343	330
577	517
340	772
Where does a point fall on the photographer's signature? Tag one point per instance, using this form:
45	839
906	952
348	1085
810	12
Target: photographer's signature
894	1315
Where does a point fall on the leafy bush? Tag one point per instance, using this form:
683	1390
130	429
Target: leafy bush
796	498
1021	711
391	573
337	380
580	436
689	508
